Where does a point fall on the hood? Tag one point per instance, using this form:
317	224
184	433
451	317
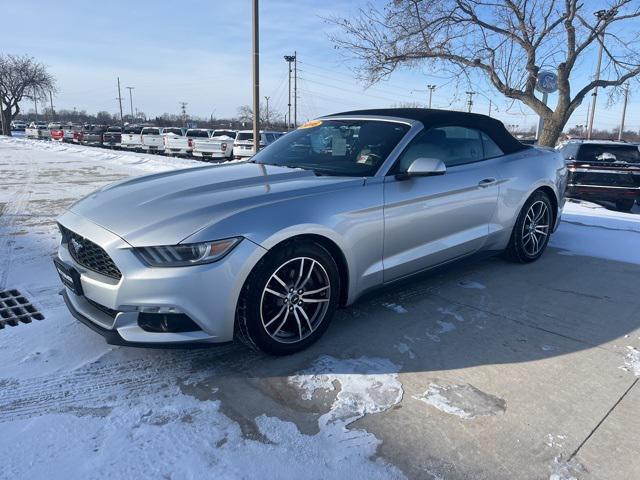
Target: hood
166	208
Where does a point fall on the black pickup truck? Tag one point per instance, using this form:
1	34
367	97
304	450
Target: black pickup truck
112	137
93	135
603	171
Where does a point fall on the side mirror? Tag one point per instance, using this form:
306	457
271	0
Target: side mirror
425	167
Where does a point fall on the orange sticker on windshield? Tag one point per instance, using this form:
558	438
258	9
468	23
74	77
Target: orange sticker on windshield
311	124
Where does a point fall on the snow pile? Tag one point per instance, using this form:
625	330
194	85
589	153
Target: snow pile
632	362
139	162
592	230
464	401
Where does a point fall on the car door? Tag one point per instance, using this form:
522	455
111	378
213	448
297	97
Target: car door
430	220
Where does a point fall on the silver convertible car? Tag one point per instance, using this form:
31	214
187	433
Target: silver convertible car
266	250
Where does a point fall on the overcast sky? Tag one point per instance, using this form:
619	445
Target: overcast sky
199	51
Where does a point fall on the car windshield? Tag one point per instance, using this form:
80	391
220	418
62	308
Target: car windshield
336	147
224	133
150	131
197	133
132	129
175	131
609	153
244	136
114	129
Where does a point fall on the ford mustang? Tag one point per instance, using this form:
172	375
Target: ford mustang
266	250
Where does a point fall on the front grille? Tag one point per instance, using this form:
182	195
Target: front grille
89	255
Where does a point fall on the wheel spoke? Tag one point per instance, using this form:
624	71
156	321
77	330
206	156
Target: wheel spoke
306	317
276	317
280	326
313	264
286	288
300	273
272	292
315	300
313	292
295	314
541	230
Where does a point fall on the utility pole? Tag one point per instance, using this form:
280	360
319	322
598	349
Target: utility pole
53	113
470	101
266	113
35	103
256	77
289	59
295	89
431	89
602	15
120	102
490	105
183	111
624	110
131	101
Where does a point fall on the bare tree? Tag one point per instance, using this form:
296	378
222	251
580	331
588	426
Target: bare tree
506	43
21	77
245	114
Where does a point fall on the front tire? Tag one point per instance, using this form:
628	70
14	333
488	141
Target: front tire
289	299
532	230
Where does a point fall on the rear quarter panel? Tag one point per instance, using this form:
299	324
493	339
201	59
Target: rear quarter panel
520	175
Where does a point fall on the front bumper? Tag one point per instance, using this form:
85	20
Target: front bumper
207	294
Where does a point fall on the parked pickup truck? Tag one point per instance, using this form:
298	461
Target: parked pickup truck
175	143
112	137
130	137
37	130
151	139
183	145
603	171
218	146
93	135
243	146
62	133
18	126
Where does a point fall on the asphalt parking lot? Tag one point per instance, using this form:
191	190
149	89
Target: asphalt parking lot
487	370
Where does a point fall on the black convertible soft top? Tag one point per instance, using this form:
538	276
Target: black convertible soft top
440	118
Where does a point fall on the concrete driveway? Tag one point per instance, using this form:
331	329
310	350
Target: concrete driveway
486	370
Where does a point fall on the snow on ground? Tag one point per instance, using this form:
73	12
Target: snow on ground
73	407
586	229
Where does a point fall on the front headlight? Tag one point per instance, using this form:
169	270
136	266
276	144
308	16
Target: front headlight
188	254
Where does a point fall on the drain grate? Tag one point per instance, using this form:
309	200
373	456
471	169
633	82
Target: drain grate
15	308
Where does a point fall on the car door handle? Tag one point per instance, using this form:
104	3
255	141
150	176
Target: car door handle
487	182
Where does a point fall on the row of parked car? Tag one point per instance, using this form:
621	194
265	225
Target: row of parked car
208	144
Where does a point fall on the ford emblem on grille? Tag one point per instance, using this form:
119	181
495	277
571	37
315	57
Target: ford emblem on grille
77	246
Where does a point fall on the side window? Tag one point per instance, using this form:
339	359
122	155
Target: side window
491	150
453	145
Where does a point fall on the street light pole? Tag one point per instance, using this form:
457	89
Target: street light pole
289	59
256	78
431	89
602	15
470	101
266	113
624	111
131	101
295	89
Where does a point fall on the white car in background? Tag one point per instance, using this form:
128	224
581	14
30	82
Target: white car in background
37	130
243	145
131	137
175	142
151	139
218	146
176	145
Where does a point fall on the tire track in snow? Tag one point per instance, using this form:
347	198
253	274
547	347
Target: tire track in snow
16	205
101	384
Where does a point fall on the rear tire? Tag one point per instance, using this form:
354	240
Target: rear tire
625	205
532	230
289	299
